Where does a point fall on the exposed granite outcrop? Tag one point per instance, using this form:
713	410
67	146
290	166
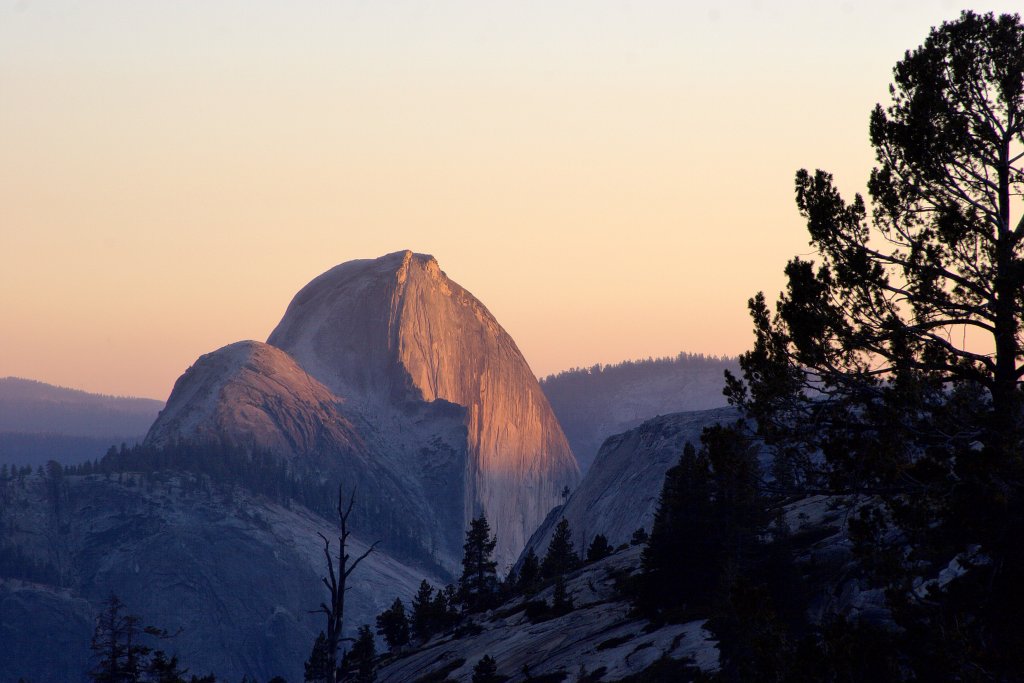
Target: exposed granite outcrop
619	494
396	330
600	635
236	574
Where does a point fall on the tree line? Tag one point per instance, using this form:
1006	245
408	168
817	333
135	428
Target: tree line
886	377
450	609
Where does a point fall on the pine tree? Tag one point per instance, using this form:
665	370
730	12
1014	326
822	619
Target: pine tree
318	666
486	671
709	515
599	549
679	543
639	537
447	607
115	645
424	616
561	601
393	625
860	372
561	556
358	663
479	570
161	669
440	609
529	572
122	656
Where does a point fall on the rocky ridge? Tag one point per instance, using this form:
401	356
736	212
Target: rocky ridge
238	575
394	333
599	636
595	403
619	494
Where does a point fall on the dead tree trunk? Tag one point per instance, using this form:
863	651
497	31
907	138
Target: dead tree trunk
337	579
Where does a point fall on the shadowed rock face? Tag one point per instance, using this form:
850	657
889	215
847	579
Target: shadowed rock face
238	575
392	331
255	395
620	492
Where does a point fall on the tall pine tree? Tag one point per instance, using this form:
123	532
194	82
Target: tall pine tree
424	620
319	667
358	665
479	580
561	556
393	625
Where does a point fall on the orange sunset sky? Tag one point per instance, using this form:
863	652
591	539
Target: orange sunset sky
612	179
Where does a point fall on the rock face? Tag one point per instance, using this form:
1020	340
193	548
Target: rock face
252	393
619	494
237	574
595	403
386	374
393	334
600	636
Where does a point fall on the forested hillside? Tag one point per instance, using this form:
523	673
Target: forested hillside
41	422
594	403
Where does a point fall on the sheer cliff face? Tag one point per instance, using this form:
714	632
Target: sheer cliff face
395	331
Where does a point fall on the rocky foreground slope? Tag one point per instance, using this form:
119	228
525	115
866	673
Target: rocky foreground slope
598	637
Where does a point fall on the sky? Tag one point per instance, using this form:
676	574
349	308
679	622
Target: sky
613	179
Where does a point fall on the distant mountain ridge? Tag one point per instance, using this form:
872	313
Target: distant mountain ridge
40	421
596	402
27	405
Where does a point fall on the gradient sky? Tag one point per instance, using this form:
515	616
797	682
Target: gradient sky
612	179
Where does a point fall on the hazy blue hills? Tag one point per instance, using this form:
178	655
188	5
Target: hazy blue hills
596	402
39	422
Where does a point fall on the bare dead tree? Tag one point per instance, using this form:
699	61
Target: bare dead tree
337	579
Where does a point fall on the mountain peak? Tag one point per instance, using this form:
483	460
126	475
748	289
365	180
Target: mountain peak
251	392
396	330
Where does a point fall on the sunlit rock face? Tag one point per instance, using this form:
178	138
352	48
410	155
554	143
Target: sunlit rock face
250	392
386	374
395	332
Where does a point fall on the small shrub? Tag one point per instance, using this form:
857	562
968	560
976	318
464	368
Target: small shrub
613	642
